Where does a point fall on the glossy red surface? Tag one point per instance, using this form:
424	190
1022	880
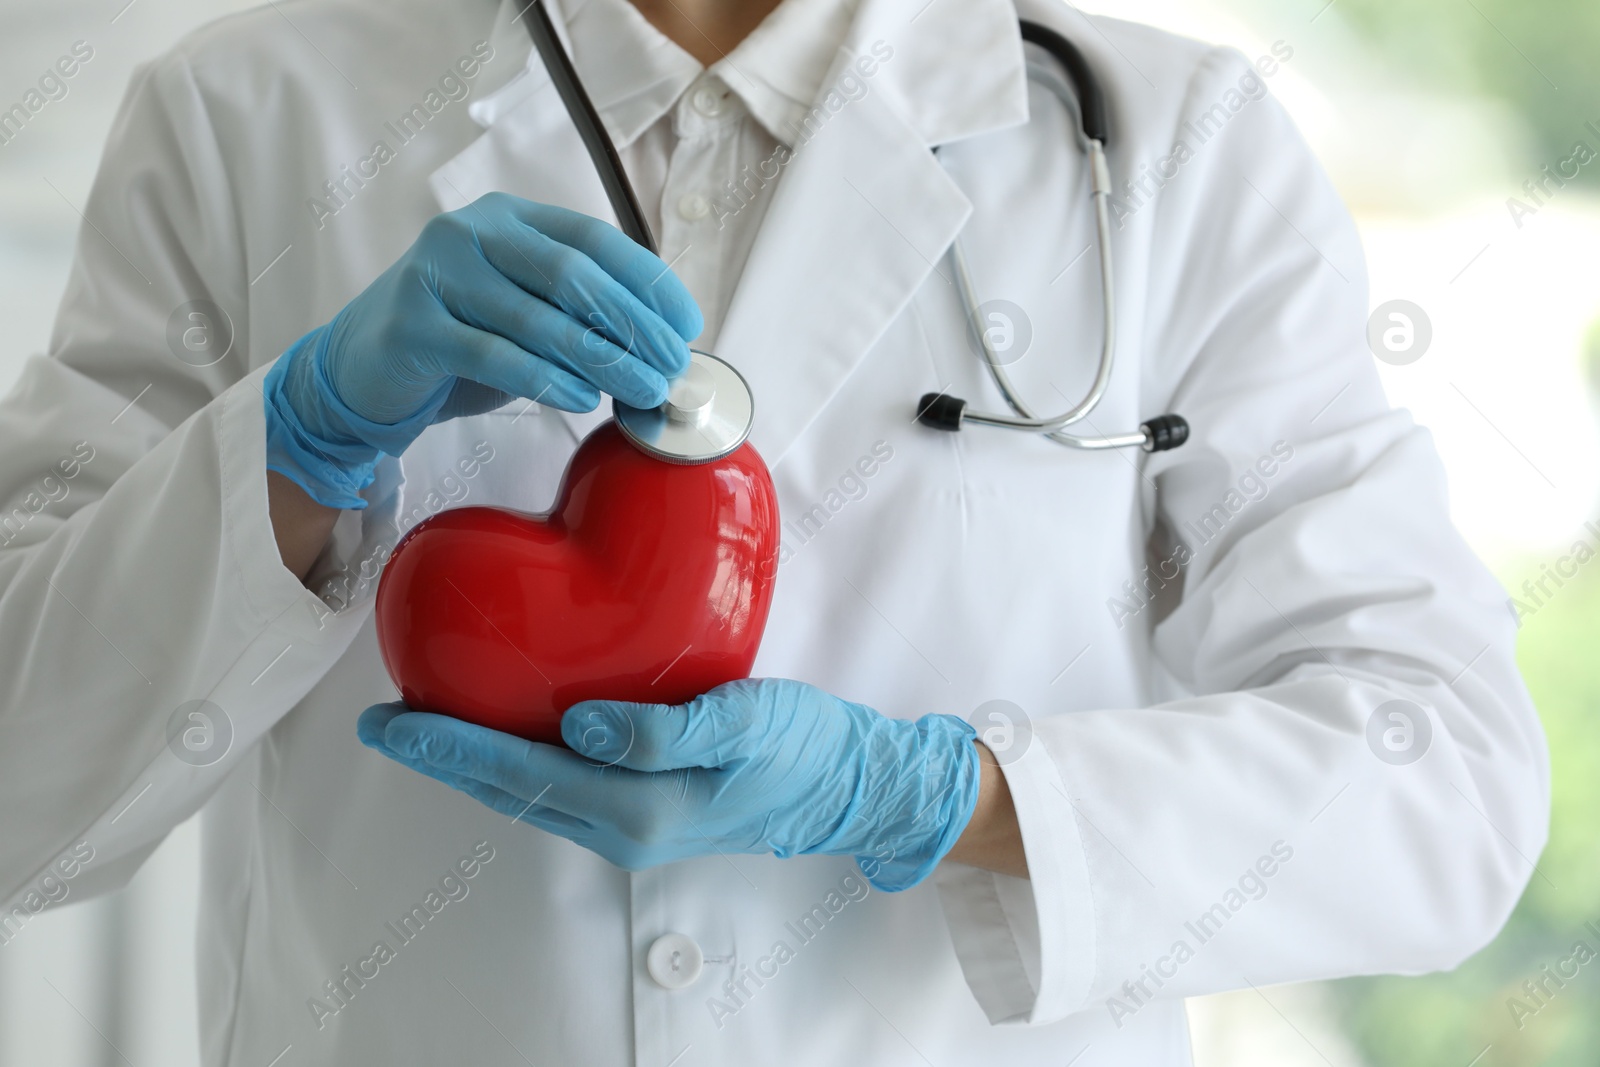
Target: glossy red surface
647	581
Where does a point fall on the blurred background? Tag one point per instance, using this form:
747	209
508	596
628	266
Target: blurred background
1437	119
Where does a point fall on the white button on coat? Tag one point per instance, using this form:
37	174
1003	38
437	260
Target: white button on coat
694	207
674	961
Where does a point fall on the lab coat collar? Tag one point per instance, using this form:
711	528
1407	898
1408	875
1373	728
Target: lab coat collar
780	69
958	68
634	73
860	215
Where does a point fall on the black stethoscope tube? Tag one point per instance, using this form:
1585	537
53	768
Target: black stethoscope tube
624	202
1091	100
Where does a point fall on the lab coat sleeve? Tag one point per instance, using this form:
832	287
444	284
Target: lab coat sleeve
1354	780
138	568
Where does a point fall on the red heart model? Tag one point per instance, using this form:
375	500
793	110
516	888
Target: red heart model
648	581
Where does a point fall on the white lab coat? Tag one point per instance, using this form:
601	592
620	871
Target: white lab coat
1176	746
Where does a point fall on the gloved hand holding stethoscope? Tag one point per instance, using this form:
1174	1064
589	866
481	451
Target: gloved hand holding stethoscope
503	298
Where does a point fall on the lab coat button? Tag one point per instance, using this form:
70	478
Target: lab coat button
694	207
674	961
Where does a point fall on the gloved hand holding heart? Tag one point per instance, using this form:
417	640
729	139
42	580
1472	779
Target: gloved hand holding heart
648	581
758	766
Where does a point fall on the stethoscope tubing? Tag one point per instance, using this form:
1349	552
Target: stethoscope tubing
607	163
936	410
1025	419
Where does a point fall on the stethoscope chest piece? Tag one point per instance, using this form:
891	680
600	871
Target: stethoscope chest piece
708	414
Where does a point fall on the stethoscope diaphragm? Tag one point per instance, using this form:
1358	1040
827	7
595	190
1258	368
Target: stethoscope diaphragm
708	414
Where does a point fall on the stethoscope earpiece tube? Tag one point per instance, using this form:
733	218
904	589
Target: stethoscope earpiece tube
1091	101
940	411
624	203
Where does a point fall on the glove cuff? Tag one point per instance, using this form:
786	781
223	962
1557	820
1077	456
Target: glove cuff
949	774
314	439
302	444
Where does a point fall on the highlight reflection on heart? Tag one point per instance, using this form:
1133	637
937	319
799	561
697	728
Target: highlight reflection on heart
648	581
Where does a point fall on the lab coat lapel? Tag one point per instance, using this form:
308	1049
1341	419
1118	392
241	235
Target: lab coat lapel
861	215
529	125
863	212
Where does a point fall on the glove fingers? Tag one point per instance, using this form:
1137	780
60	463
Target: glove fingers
372	729
709	731
462	748
468	398
511	806
554	255
491	360
494	305
569	279
374	722
552	778
645	275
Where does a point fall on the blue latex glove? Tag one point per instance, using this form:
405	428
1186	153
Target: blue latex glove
756	766
500	299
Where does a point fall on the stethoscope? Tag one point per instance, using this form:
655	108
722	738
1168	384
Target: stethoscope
937	410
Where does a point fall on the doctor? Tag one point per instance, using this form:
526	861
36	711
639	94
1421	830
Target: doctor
1261	718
